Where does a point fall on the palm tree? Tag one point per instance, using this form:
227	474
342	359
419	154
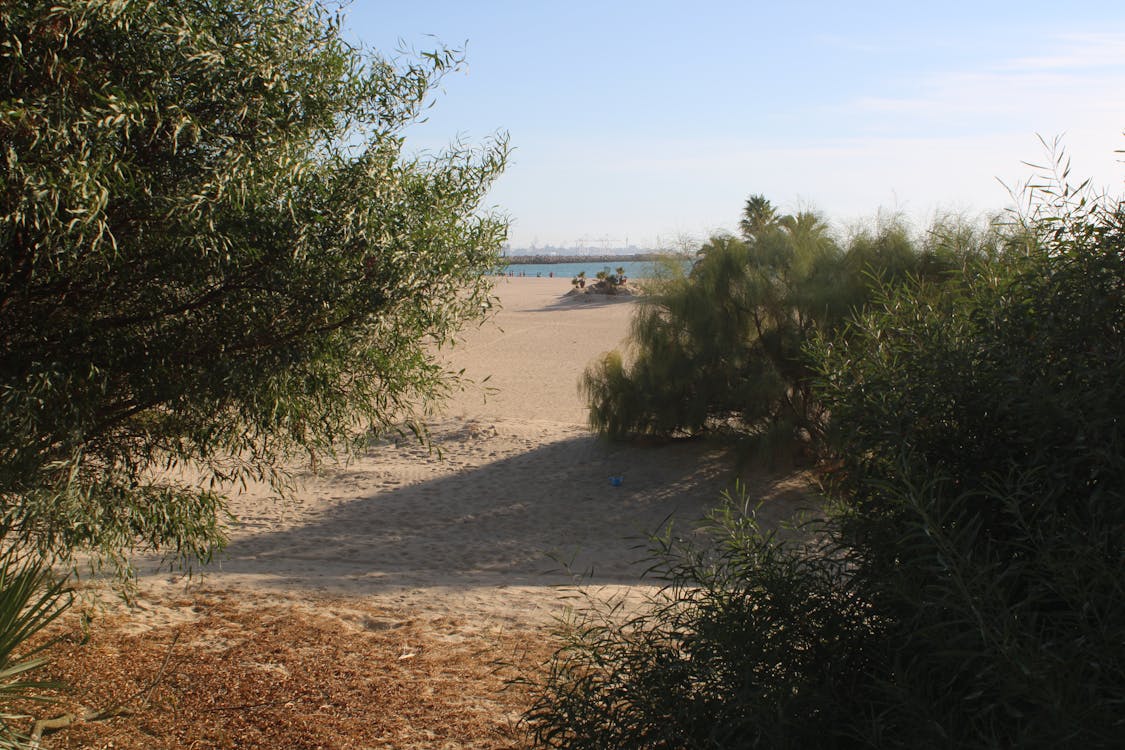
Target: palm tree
758	215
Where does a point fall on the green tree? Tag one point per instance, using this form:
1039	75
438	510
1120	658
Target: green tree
758	215
724	346
216	254
721	348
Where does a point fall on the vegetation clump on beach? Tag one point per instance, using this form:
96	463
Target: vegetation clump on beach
964	589
721	347
216	255
606	283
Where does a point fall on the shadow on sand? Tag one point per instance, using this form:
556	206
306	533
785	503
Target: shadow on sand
514	520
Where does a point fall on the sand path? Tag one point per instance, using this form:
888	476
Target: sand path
387	603
513	503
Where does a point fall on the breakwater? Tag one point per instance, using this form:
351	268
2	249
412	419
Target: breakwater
591	260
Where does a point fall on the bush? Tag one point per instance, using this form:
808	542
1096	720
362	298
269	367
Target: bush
721	348
754	642
978	430
965	590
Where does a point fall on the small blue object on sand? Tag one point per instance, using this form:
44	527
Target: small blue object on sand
616	481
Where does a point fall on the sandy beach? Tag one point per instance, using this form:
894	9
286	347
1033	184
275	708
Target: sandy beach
468	553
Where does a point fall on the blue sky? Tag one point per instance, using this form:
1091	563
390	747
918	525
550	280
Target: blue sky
653	121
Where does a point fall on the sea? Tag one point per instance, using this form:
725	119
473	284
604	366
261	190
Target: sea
633	269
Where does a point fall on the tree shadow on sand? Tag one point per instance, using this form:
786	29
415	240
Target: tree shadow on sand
533	518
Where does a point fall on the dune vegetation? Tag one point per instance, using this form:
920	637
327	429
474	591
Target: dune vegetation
963	398
721	347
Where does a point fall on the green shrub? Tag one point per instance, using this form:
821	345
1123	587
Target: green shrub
966	588
723	348
754	642
720	348
978	430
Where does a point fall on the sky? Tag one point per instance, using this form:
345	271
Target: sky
651	122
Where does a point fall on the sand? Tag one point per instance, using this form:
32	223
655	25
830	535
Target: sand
510	503
508	522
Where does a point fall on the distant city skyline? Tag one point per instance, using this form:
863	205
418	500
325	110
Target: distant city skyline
579	249
655	121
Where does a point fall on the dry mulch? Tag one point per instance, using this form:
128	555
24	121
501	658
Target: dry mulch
297	674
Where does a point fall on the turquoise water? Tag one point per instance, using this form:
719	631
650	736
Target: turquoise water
633	269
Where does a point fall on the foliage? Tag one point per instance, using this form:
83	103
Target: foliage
606	282
723	347
965	589
215	254
978	434
754	642
31	597
611	281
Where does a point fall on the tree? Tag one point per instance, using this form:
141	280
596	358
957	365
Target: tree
721	348
724	347
216	254
980	467
758	215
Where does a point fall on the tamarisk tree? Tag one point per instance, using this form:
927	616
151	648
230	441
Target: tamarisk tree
216	254
721	347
